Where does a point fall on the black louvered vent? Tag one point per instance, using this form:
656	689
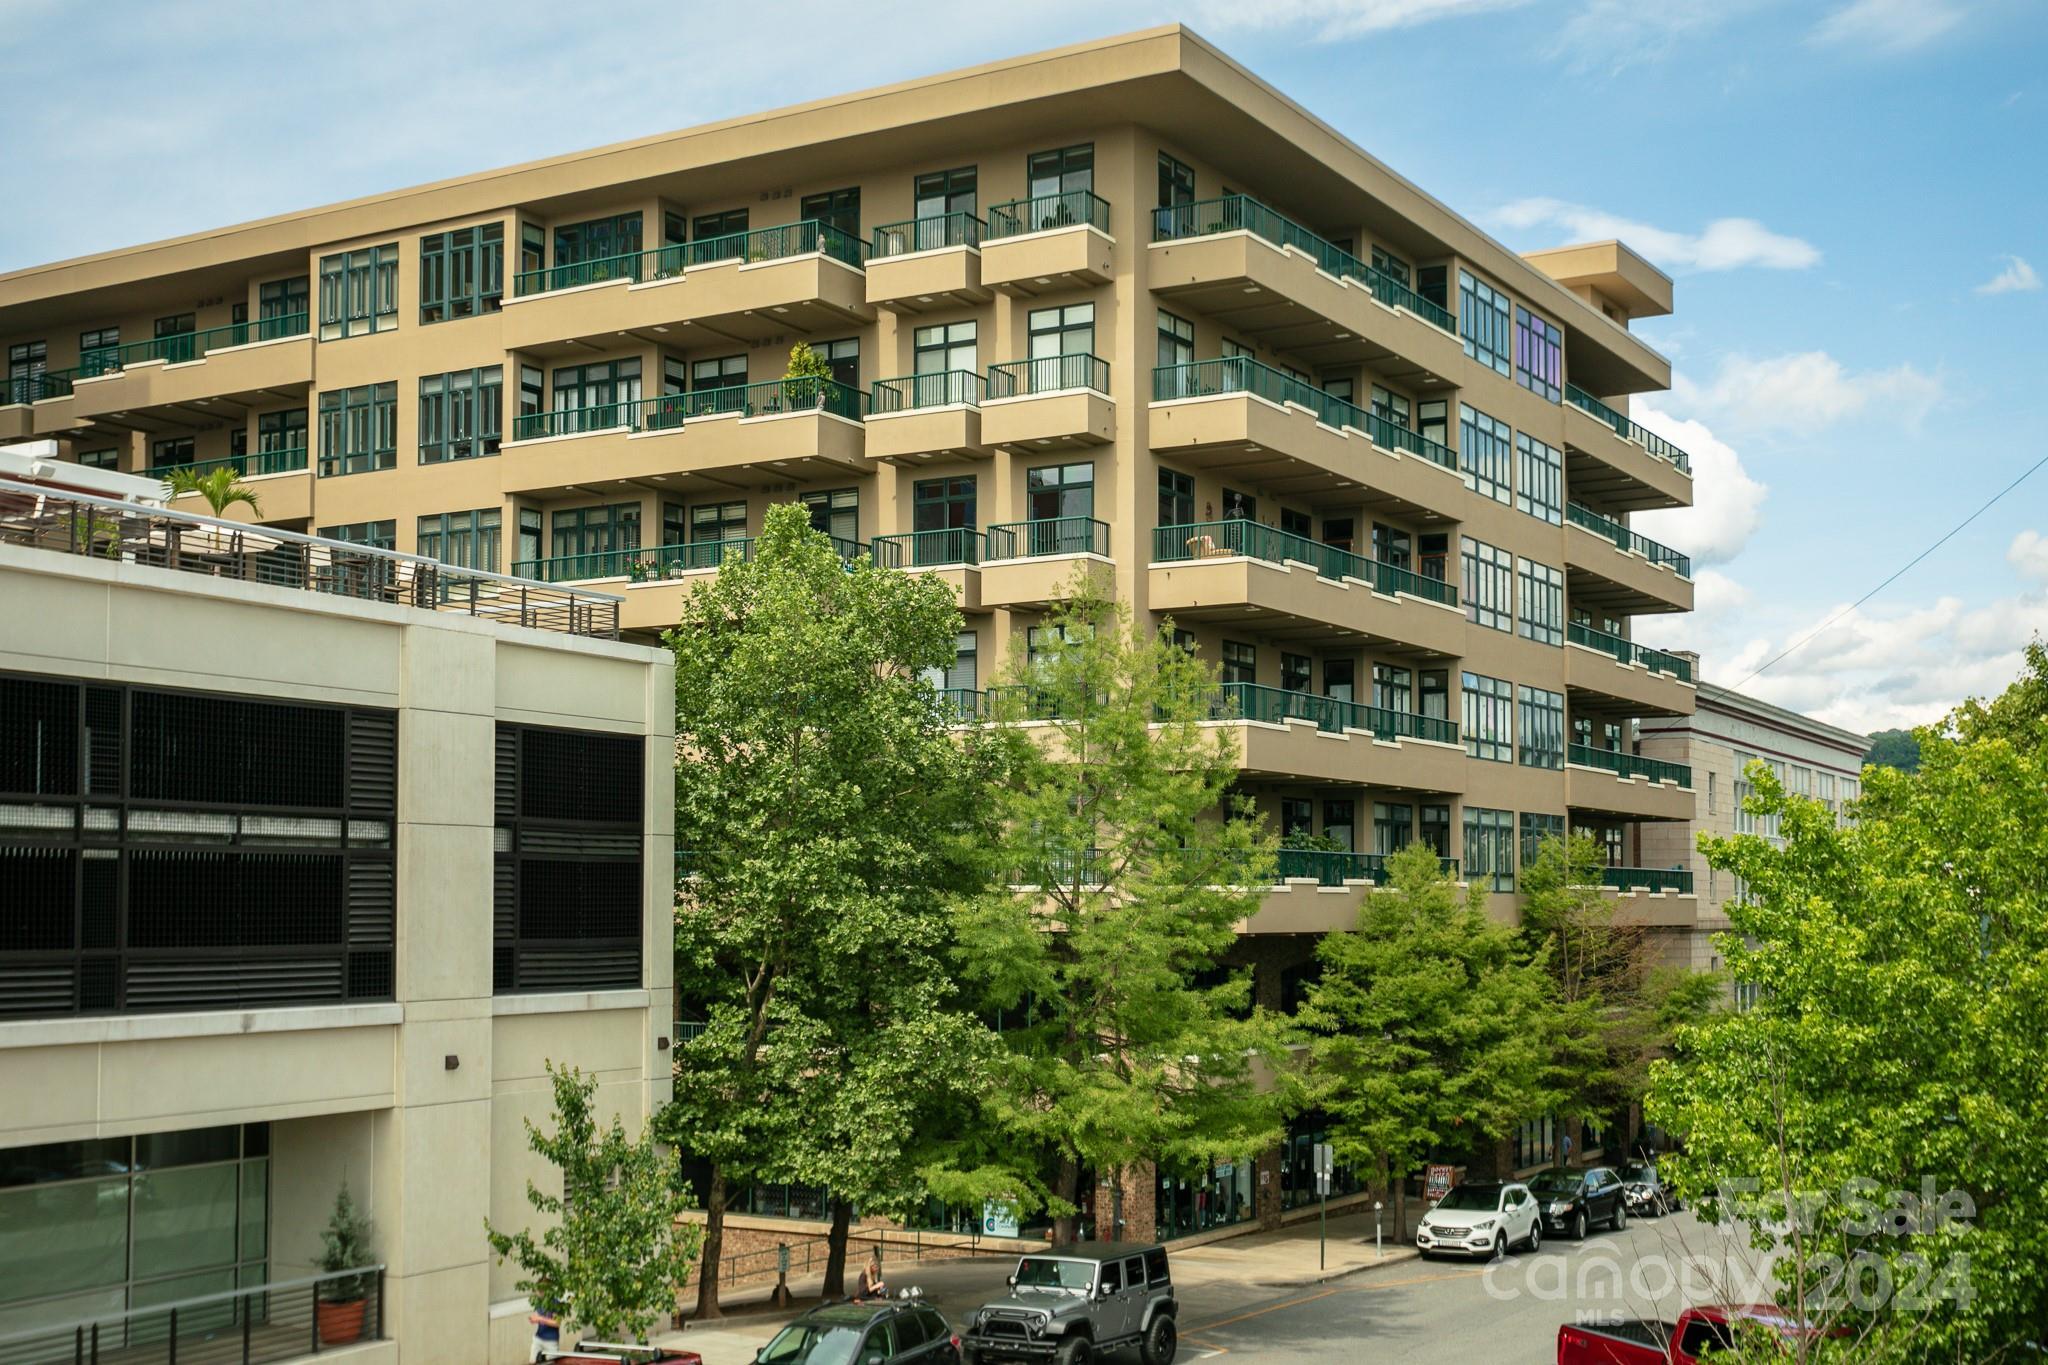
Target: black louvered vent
373	763
508	774
103	741
38	737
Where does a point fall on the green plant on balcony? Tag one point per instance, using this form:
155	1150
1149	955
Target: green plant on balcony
220	487
1302	841
803	386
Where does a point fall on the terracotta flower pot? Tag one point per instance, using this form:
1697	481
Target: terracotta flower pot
340	1323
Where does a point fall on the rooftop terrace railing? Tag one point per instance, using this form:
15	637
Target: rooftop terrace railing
181	347
1241	213
45	518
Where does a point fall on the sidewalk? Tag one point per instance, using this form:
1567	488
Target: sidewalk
1255	1264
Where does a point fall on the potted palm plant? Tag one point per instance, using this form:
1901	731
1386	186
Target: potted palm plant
344	1246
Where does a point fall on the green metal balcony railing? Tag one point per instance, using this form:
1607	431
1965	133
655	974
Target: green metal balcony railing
1045	212
187	346
965	702
1276	705
786	241
1628	651
1052	536
1238	374
33	388
1627	428
669	412
1240	213
1048	374
1630	765
929	549
947	388
652	563
1628	541
256	462
1651	879
1220	539
926	234
1335	867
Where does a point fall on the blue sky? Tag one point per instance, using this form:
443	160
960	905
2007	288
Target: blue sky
1851	194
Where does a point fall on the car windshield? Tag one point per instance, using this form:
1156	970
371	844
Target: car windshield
1472	1198
1043	1272
813	1343
1556	1182
1639	1171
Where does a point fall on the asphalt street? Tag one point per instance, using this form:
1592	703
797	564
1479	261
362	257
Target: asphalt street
1507	1312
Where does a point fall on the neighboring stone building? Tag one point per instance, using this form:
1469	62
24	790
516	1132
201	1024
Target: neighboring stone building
1725	732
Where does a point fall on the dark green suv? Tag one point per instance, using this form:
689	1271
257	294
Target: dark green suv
881	1332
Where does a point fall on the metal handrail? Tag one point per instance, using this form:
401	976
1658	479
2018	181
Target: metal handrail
91	1338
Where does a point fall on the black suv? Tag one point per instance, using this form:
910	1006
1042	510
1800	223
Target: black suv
1572	1201
881	1332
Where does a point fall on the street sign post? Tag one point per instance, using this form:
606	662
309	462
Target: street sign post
1325	1165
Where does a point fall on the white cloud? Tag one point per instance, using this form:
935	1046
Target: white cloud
1728	504
1723	244
1613	35
1887	27
1808	391
2028	555
1334	20
2017	277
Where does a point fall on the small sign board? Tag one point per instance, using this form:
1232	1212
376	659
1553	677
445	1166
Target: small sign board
998	1220
1322	1182
1437	1183
1326	1160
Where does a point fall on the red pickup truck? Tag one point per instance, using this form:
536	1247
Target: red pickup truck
1650	1341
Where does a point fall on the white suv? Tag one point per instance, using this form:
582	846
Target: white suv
1483	1220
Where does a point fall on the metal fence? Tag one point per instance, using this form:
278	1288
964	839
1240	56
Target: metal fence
266	1322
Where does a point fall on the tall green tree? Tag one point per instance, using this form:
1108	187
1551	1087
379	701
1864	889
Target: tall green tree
615	1253
1432	1027
1894	749
1615	1008
1137	860
828	809
1899	970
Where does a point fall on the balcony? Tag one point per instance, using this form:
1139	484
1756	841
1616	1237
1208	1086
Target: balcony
1031	563
238	365
1627	785
926	415
927	263
1295	439
1294	590
1656	881
278	478
953	554
1646	681
744	287
1259	273
1054	402
1651	897
778	432
1617	461
1053	241
1620	571
1299	735
657	578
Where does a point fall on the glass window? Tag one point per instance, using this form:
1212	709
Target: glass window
1433	422
1483	322
99	350
1297	523
1297	816
596	397
1338	678
943	504
467	540
377	535
1240	662
462	273
1337	823
1490	848
1176	182
1176	498
1489	718
1539	355
1542	600
960	676
597	530
1176	341
1435	548
1390	265
1060	490
1486	452
1391	406
730	223
1433	687
1393	826
460	414
359	292
1066	171
171	451
1542	728
279	433
718	521
1338	532
836	208
945	346
718	372
1435	828
600	239
1390	545
1239	506
359	429
844	358
1296	672
27	362
1391	687
836	513
938	193
1535	829
1062	331
1539	482
1489	584
110	458
281	304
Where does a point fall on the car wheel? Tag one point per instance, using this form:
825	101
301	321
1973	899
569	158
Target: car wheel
1620	1222
1536	1236
1500	1246
1074	1351
1579	1226
1161	1341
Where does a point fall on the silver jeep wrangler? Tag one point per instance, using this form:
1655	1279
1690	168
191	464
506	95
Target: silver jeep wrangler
1077	1301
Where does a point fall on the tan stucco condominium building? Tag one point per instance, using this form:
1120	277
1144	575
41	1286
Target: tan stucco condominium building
1120	305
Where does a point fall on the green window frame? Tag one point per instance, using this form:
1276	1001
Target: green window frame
277	300
718	372
594	397
359	292
938	193
1176	182
1539	479
942	347
1064	170
1176	340
607	529
109	458
374	535
1433	693
461	414
1394	407
27	362
1489	718
1542	719
1065	330
1393	827
718	521
1486	448
1297	817
1485	323
1176	497
1390	265
727	223
465	540
1240	662
1060	490
835	208
171	451
1433	421
1536	827
943	504
99	350
1540	589
1392	688
281	431
1433	827
843	356
597	239
1490	848
358	429
1297	523
834	511
1296	672
462	272
1489	574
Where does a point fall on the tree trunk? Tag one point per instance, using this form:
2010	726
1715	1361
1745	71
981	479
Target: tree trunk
1064	1226
1401	1210
835	1250
714	1241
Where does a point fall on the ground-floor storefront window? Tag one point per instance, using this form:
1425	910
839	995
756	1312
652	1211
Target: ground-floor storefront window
1298	1165
100	1226
1218	1197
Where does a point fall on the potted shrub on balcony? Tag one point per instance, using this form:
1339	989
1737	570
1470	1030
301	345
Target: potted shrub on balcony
804	386
345	1245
